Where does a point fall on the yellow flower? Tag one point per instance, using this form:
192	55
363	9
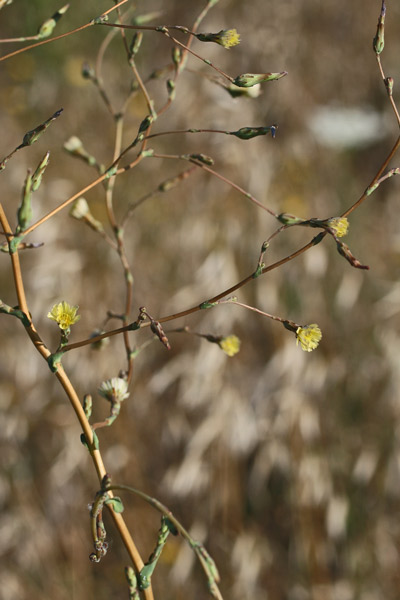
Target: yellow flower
309	337
340	225
226	37
64	314
230	345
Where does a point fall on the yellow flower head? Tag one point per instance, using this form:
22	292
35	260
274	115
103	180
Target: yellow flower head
309	337
340	225
64	314
230	345
226	37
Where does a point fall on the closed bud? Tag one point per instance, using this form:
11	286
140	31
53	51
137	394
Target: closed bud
288	219
171	89
88	72
145	124
157	329
143	127
389	83
99	20
47	27
131	578
87	405
176	56
247	133
206	160
32	136
38	174
379	39
135	43
165	186
24	213
264	247
250	79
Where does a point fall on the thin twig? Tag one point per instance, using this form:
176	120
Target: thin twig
59	37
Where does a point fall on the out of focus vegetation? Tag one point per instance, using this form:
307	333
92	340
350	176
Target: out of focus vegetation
285	464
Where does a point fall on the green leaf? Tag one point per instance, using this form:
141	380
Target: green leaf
145	576
54	361
116	504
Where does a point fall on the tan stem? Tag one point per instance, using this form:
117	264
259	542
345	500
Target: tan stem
75	402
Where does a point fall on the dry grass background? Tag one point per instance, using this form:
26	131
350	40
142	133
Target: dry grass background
286	465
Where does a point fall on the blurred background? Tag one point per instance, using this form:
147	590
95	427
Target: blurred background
286	465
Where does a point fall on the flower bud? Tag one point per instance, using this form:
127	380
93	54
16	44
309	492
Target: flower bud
38	174
379	39
206	160
24	213
32	136
288	219
88	72
247	133
176	56
171	89
47	27
389	83
250	79
135	43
